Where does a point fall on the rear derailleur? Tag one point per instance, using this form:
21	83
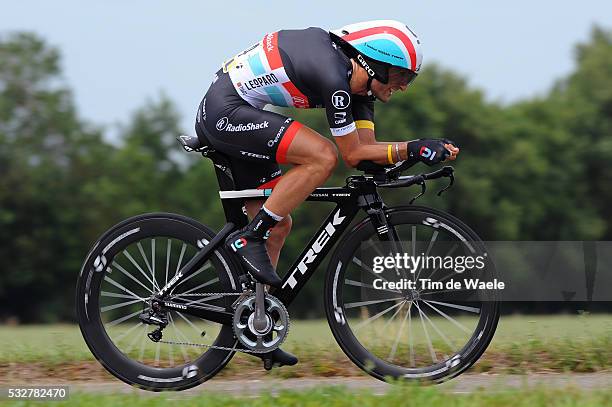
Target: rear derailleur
155	315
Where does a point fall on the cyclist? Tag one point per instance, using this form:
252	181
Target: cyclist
343	71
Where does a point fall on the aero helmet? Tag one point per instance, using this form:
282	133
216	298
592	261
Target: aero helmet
379	44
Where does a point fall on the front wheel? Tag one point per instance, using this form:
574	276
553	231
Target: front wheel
125	268
427	333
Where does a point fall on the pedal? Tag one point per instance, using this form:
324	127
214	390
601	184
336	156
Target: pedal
268	364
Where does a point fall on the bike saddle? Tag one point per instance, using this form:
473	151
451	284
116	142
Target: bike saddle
191	143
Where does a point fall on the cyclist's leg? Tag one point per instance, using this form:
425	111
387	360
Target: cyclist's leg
314	158
275	242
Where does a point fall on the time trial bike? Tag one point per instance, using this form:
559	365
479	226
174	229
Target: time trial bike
163	305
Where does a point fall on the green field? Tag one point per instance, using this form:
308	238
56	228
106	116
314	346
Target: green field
339	396
576	343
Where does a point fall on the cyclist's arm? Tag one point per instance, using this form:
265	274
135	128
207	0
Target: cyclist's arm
353	150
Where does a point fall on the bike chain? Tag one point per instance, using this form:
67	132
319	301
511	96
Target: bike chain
203	345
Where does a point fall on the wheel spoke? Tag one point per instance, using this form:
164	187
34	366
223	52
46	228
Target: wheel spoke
461	307
180	260
444	338
375	317
128	274
432	352
214	280
116	295
410	339
191	324
208	298
131	259
171	355
448	254
142	348
377	249
124	334
368	269
432	241
135	339
399	334
124	318
121	304
204	267
449	318
157	354
392	317
119	286
183	339
153	263
144	257
168	250
365	303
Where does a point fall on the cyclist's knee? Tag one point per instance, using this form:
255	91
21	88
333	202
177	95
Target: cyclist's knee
327	158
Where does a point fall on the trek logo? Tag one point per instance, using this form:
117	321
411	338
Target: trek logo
263	80
239	244
316	248
255	155
427	153
171	283
365	65
341	99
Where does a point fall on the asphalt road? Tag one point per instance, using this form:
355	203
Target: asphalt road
466	383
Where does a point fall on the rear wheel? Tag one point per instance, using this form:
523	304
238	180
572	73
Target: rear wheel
130	263
428	333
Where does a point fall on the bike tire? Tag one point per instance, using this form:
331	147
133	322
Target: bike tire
96	267
341	328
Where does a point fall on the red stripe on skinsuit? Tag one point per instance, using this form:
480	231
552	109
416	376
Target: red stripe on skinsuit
270	184
299	99
270	44
281	152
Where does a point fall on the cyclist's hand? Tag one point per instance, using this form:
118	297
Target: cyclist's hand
432	151
452	149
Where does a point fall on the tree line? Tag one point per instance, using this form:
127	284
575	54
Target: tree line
537	169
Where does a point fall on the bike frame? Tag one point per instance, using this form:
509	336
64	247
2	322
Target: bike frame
359	193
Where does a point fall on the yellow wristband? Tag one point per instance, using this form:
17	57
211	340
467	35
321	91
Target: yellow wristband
390	154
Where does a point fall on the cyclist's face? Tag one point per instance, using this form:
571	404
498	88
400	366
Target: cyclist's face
399	79
384	91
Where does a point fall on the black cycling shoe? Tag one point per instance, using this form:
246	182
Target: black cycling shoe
251	250
278	358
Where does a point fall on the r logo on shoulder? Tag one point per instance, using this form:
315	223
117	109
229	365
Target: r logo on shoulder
341	99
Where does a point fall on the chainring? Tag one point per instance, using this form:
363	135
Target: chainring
278	324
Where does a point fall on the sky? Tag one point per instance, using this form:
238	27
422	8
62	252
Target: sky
118	53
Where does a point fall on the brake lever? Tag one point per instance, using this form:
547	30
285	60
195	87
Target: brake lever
450	184
423	189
